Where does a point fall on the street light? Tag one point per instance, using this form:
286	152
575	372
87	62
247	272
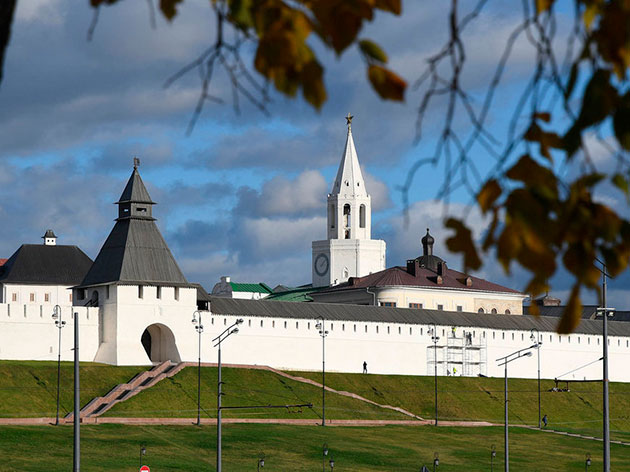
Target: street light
504	361
493	454
143	451
323	333
199	328
59	323
588	462
324	454
232	329
538	342
605	312
261	461
436	461
435	338
331	462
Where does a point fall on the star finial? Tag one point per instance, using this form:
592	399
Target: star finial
349	121
136	162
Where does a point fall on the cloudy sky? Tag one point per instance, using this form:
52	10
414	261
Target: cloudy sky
244	195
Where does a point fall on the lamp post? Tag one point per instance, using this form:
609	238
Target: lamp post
435	338
504	361
324	454
587	463
331	463
538	342
232	329
143	451
261	461
605	312
76	449
436	461
59	323
493	454
199	328
323	333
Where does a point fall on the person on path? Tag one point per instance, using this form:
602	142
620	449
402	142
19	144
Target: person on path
545	420
364	367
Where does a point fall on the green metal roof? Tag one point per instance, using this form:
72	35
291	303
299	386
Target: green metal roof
257	288
299	294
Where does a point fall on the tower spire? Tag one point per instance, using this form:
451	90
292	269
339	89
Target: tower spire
349	180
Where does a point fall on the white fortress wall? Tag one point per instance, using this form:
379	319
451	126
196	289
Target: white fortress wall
28	332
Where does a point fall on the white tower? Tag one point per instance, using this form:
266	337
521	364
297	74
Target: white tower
349	250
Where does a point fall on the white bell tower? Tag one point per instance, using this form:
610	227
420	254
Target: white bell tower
349	250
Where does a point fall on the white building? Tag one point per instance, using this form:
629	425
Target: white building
246	291
349	250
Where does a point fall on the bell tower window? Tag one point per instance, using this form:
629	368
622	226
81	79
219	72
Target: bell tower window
346	220
362	216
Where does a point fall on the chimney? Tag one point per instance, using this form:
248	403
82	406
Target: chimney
413	266
50	239
225	279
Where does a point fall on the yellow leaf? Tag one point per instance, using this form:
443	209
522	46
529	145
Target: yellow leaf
372	51
488	194
543	5
462	242
591	11
386	83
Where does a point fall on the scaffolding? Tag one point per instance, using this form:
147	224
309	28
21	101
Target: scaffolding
461	356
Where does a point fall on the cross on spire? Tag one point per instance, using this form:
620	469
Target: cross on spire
349	121
136	162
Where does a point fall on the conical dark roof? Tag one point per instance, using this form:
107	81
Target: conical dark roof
135	252
135	191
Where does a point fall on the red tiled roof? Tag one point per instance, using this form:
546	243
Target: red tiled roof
398	276
3	261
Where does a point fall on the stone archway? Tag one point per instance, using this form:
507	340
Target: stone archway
159	344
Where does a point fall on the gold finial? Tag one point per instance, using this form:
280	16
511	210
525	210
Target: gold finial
136	162
349	120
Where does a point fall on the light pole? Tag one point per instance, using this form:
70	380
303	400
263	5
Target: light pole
435	338
76	450
504	361
143	451
493	454
331	463
587	463
605	312
199	328
538	342
436	461
324	454
218	340
59	323
261	461
323	333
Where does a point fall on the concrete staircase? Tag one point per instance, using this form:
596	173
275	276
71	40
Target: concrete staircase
122	392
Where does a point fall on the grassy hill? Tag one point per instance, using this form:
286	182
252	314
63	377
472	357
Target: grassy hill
29	389
296	448
475	398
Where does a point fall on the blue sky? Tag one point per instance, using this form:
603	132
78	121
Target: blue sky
244	195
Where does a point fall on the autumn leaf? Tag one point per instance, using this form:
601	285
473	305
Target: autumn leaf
572	312
169	8
461	242
488	194
386	83
372	51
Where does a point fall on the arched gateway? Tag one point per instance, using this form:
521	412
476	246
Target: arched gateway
159	343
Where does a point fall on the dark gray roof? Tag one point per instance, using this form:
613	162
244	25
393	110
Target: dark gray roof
135	252
46	265
135	191
589	312
49	234
347	312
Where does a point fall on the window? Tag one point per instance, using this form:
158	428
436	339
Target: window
390	304
70	297
141	209
512	336
297	325
550	338
366	328
346	220
14	297
211	321
224	321
484	334
273	324
285	325
588	340
440	307
410	332
415	305
559	339
308	325
249	323
522	336
343	327
332	326
32	297
176	293
493	335
420	331
140	291
261	323
362	216
355	328
388	330
399	330
480	310
507	312
443	333
502	335
460	308
158	293
493	311
376	329
598	341
47	297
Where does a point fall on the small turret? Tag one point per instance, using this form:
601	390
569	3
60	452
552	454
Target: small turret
50	239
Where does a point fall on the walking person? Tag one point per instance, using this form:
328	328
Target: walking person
364	367
545	420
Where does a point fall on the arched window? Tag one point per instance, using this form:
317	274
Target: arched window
362	216
493	311
508	312
480	310
346	215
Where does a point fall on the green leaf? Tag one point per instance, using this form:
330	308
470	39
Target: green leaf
386	83
372	51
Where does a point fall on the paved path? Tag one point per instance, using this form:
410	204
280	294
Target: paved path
573	435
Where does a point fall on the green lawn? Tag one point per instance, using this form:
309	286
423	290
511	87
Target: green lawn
296	448
29	389
177	397
474	398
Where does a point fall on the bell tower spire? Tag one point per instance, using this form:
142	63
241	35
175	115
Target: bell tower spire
349	222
